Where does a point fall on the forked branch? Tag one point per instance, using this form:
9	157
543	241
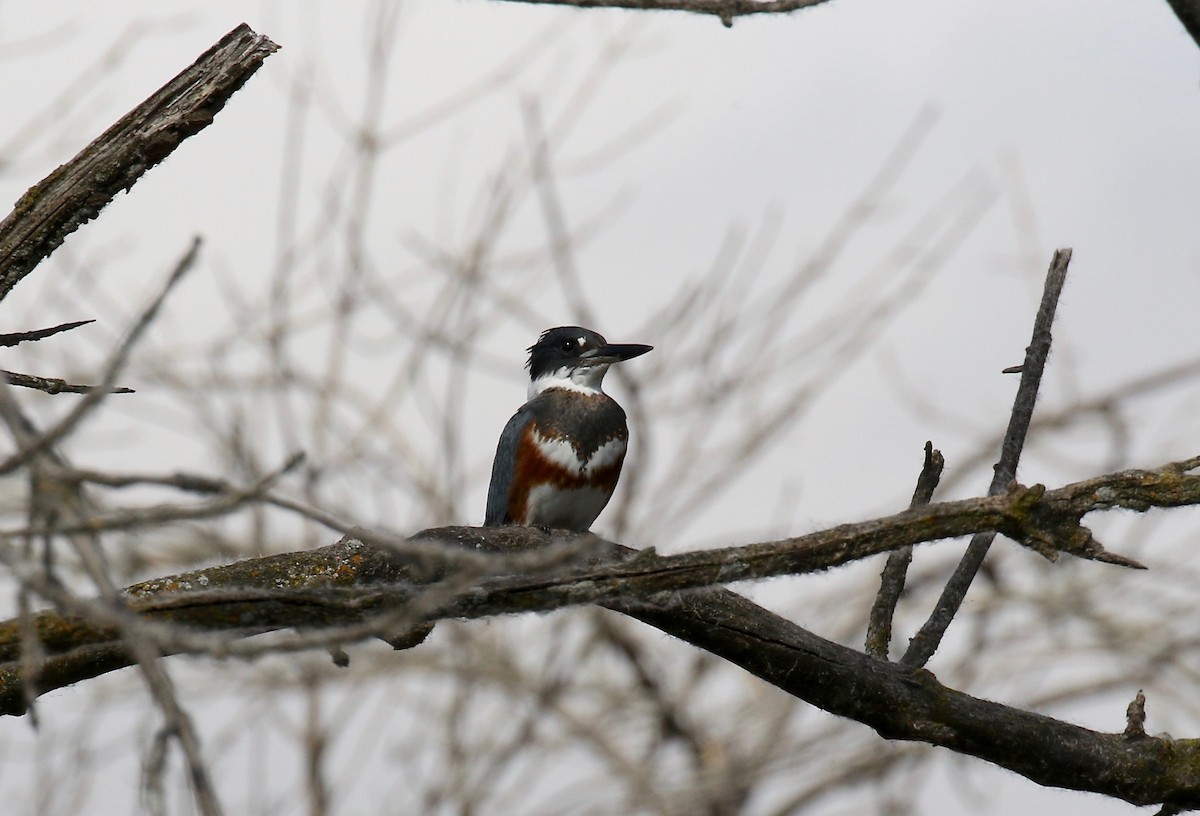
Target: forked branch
927	639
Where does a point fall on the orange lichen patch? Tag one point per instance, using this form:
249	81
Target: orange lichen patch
533	469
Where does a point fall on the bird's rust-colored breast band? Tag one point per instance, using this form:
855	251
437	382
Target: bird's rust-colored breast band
533	468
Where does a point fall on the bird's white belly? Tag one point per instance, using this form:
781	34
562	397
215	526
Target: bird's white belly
573	509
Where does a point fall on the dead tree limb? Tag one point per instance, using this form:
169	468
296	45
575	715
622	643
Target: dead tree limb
76	191
929	636
726	10
353	590
1188	12
895	571
352	580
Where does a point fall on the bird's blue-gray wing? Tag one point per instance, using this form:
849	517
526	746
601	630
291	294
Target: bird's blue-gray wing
503	468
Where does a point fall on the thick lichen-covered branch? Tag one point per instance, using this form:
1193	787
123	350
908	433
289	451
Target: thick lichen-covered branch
362	575
367	585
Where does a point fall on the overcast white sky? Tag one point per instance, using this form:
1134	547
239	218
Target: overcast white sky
1081	116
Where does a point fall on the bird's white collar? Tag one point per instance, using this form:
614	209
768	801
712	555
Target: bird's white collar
580	379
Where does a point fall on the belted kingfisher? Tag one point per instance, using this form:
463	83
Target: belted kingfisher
560	455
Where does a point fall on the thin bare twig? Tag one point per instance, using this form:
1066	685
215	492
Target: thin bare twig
1106	404
14	338
1135	716
154	768
115	366
895	571
209	485
55	385
230	498
925	642
178	722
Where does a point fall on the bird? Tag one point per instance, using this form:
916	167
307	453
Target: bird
559	457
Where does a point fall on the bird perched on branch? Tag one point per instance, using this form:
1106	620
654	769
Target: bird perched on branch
560	455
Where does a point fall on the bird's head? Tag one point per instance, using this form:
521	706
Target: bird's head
575	358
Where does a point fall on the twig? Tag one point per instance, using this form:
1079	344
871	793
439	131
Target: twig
672	714
895	571
178	722
1135	716
76	191
1106	404
927	639
230	498
40	334
142	649
54	385
154	768
196	483
116	364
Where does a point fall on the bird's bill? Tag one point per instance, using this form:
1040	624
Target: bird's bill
614	353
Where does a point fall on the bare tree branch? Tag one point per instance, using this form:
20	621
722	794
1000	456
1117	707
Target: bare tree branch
76	191
725	9
1188	12
113	369
302	588
926	641
235	495
897	701
56	385
14	338
900	703
895	571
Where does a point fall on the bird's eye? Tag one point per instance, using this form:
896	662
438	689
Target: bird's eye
568	345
